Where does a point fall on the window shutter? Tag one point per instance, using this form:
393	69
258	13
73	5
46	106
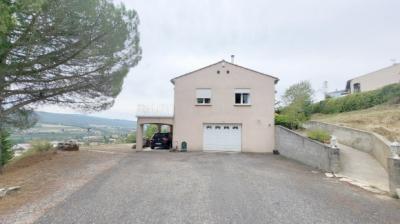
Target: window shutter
242	90
203	93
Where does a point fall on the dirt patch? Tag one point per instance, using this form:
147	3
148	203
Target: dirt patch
48	178
29	161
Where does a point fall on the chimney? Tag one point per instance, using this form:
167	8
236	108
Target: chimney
233	59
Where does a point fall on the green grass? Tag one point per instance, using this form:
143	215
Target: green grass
319	135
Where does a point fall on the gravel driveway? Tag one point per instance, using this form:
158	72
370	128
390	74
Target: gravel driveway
163	187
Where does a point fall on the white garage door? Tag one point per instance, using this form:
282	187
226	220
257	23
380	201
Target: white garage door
222	137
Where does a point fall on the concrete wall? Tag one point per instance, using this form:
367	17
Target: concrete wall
394	176
257	119
307	151
364	141
378	79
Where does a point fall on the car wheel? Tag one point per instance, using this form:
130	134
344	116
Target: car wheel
152	147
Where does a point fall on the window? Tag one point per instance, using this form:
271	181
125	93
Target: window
242	96
235	127
217	127
356	87
226	127
209	127
203	96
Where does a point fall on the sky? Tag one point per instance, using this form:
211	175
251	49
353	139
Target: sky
294	40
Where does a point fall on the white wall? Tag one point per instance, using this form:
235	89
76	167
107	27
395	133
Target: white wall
257	120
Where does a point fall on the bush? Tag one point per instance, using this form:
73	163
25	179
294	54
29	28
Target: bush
131	138
287	121
41	146
6	148
359	101
319	135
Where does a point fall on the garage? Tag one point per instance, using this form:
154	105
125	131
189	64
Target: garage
222	137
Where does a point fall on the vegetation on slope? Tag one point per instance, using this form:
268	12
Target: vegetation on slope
383	119
388	94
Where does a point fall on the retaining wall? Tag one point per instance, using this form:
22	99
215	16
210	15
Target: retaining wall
369	142
297	147
394	176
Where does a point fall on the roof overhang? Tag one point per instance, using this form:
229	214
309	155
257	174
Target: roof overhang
260	73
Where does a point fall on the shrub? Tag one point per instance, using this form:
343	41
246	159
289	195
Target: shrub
6	148
131	138
319	135
40	146
358	101
287	121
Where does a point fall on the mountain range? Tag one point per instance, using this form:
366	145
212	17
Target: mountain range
83	121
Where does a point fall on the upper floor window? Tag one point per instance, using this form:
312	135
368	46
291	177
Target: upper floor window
357	87
242	96
203	96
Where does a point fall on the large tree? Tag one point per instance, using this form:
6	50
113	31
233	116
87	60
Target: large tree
70	52
74	53
297	99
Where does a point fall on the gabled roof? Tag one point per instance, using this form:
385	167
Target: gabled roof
173	80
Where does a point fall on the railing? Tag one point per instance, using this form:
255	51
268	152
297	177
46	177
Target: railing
154	110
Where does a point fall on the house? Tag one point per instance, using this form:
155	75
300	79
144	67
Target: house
221	107
374	80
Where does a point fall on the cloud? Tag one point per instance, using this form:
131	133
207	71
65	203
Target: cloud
294	40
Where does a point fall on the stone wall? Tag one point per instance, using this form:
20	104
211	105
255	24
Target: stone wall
297	147
364	141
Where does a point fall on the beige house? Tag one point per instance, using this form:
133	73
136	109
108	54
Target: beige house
221	107
374	80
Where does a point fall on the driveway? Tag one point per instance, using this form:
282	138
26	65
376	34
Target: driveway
163	187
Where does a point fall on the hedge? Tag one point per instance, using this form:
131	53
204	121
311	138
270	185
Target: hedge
359	101
286	121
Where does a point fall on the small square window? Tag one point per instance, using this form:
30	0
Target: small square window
227	71
242	96
203	96
218	72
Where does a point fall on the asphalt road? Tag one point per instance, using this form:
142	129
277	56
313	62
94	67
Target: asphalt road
157	187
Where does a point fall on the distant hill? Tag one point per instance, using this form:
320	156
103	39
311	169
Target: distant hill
83	121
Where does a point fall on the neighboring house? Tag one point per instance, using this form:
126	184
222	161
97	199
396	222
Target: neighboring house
221	107
374	80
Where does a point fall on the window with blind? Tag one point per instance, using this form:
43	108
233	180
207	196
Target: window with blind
203	96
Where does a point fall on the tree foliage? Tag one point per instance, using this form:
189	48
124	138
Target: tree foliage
298	100
358	101
70	52
6	148
151	129
131	138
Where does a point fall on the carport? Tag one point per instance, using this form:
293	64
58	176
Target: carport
157	120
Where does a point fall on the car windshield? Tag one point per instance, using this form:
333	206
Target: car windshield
160	135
